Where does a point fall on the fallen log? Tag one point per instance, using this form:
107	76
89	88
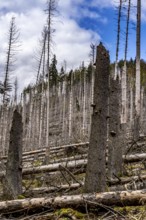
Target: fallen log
55	148
66	159
84	144
43	190
134	158
125	180
127	158
123	198
52	149
137	184
54	167
51	167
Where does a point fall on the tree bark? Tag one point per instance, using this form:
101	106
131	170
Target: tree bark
115	160
13	178
95	180
122	198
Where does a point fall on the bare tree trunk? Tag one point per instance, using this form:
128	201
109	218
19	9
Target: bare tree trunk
115	144
137	81
95	180
118	39
64	109
84	104
138	36
13	179
124	95
31	104
105	199
124	72
70	107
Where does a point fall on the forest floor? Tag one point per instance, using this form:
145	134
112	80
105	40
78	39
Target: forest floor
77	175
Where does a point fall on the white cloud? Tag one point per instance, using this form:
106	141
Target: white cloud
75	43
72	42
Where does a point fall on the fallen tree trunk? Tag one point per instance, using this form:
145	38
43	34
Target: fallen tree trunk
126	180
43	150
127	158
66	159
42	190
55	148
134	158
123	198
51	167
41	153
134	184
55	167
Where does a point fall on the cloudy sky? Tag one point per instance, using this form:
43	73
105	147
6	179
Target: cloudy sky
78	24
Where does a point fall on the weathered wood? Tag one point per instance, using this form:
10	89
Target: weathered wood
74	164
129	183
134	158
53	150
13	178
51	189
122	198
55	167
95	180
115	161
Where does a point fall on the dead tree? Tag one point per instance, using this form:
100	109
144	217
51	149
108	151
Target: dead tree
95	180
137	82
114	138
6	86
13	36
94	200
51	11
124	72
118	37
13	178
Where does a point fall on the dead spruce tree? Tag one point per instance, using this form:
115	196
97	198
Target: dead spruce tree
13	36
92	55
13	178
5	86
137	81
51	11
124	72
118	37
40	84
114	136
95	180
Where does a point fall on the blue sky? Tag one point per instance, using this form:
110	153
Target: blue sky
78	24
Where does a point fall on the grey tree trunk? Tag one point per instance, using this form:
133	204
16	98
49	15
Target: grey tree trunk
137	81
115	142
13	179
95	180
118	38
138	41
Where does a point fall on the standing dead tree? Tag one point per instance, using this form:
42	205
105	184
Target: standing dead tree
114	142
51	11
15	91
124	72
95	180
5	86
118	37
137	82
92	55
13	179
12	47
